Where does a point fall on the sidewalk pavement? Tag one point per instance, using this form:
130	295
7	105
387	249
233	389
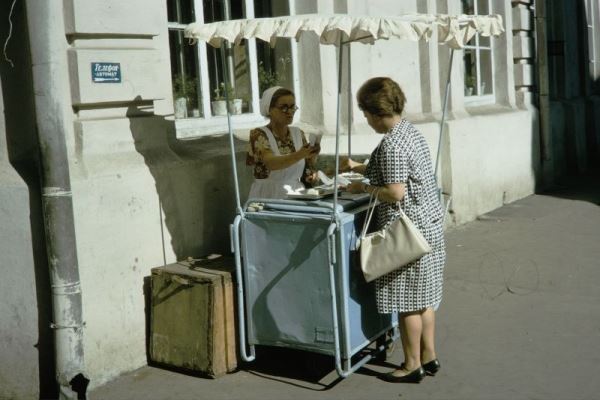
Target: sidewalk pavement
520	319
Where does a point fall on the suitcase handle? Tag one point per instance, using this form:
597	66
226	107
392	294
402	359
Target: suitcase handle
180	280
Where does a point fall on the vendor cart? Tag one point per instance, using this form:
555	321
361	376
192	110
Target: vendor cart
299	281
304	286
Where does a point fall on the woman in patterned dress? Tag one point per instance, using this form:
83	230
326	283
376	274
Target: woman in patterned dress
401	172
278	152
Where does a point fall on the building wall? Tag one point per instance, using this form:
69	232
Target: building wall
138	192
26	350
501	137
18	308
141	197
573	50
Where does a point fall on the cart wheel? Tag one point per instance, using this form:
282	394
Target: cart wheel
381	356
390	349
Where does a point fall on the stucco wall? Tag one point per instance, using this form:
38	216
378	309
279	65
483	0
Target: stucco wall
118	225
26	365
18	302
492	160
137	191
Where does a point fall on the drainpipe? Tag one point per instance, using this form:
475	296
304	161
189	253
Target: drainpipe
48	46
543	92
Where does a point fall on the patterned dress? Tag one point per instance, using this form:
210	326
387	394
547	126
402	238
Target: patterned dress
259	143
403	157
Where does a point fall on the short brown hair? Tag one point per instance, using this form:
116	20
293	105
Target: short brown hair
381	96
280	93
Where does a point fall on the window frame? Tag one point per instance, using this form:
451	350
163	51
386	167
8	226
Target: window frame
481	99
209	124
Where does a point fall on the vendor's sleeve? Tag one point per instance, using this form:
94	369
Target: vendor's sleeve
257	146
393	164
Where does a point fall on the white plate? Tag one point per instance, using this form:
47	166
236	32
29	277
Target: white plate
303	194
352	176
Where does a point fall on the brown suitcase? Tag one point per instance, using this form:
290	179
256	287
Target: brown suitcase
192	319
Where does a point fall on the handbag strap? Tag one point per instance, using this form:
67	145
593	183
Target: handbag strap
370	210
400	210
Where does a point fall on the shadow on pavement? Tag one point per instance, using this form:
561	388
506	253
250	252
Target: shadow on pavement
299	368
306	369
584	187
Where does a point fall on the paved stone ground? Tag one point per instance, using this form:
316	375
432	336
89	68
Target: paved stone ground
520	320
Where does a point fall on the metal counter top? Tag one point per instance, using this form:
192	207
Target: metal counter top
346	202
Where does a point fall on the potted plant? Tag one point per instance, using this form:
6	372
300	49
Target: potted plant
184	95
219	106
470	83
266	78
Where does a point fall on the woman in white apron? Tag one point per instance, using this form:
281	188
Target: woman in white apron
278	152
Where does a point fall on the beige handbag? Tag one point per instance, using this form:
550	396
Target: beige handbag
390	248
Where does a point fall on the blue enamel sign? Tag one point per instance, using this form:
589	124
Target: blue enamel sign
106	72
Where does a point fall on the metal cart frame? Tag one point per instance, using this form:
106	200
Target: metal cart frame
248	352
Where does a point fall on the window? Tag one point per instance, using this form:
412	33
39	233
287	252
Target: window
478	58
197	71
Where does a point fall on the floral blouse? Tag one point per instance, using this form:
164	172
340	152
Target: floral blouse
259	143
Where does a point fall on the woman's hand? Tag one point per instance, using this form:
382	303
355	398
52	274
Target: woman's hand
347	164
356	187
316	150
312	178
308	151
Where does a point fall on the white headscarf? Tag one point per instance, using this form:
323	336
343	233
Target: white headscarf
265	101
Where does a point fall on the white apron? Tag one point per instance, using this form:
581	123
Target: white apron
272	187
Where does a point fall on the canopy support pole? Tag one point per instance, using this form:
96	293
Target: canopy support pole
349	79
444	109
230	129
337	130
437	157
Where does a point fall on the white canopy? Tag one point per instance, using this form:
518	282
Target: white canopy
454	31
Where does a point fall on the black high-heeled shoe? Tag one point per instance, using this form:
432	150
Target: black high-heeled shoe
415	376
432	367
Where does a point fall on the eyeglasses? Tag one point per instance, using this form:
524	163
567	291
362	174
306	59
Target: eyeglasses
285	108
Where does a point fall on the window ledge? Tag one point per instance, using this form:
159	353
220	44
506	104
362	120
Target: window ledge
192	128
476	101
491	109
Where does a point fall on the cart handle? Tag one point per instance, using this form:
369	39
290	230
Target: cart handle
235	244
343	372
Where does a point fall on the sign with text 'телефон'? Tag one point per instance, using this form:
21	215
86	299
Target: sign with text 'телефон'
106	72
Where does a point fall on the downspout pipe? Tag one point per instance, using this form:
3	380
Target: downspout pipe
48	46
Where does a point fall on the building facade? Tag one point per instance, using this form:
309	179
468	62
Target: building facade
149	159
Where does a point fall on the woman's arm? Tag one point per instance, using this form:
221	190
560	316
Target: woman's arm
274	162
260	152
348	164
390	193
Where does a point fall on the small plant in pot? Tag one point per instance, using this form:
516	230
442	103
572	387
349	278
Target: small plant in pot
470	83
219	106
184	95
